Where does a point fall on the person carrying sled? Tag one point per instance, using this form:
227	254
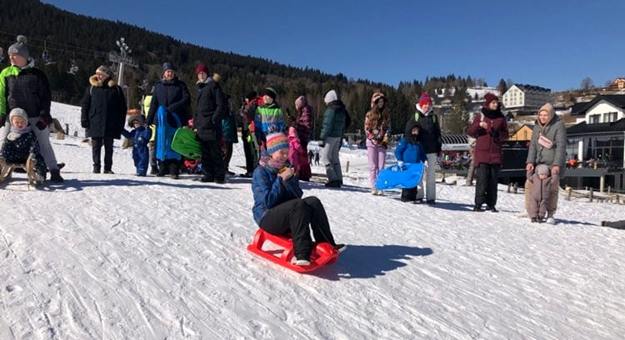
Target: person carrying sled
489	128
140	135
300	128
21	143
103	113
378	131
279	208
410	150
541	184
25	86
172	94
210	107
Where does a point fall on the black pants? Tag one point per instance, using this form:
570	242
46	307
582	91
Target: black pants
250	162
295	216
227	152
96	151
212	160
486	176
409	194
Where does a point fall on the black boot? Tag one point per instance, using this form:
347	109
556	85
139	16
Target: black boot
96	169
55	176
173	170
153	170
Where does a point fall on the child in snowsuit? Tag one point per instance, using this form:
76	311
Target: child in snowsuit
278	204
21	143
410	150
140	136
540	191
299	135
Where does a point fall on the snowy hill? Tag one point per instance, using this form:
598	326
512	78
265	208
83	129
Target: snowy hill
124	257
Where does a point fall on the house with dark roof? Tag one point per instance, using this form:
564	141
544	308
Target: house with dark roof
599	139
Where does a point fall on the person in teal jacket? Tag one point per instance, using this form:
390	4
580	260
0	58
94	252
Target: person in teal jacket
336	120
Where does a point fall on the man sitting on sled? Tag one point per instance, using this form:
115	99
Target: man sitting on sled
279	208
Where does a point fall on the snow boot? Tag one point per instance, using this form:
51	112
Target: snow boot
55	176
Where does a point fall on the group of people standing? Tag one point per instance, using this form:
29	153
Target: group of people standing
545	161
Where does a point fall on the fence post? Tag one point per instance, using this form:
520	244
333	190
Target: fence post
591	194
516	188
347	167
569	192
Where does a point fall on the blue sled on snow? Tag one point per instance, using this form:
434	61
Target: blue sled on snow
394	177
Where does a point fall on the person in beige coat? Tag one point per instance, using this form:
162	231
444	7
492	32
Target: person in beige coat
548	146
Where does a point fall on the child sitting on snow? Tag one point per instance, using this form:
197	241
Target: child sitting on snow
540	191
21	143
278	204
140	136
410	150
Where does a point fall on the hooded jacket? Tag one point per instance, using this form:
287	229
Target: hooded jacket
103	109
556	132
429	132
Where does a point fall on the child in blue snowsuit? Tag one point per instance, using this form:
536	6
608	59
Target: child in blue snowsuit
410	150
140	136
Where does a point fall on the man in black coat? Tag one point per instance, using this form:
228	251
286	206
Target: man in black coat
103	115
210	107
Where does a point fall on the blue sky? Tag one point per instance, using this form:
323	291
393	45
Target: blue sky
550	43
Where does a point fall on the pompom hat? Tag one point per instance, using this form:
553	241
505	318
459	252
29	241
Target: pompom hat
19	47
276	141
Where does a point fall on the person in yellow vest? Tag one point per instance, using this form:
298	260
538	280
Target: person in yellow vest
151	145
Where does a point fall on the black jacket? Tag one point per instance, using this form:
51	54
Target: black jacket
210	108
174	95
30	91
103	109
429	132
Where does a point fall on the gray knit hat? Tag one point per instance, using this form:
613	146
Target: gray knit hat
19	47
105	70
18	112
542	169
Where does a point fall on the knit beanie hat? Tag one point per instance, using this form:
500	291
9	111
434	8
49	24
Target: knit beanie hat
17	112
300	102
542	169
269	92
201	68
132	118
488	98
19	47
276	141
168	66
104	70
375	97
330	97
425	98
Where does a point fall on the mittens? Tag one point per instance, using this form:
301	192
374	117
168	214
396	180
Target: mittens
3	120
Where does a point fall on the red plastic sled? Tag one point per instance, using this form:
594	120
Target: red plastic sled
323	253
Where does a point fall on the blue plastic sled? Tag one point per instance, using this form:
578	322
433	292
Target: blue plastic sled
164	136
394	177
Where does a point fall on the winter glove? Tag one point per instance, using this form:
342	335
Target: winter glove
400	164
322	144
42	124
3	120
495	133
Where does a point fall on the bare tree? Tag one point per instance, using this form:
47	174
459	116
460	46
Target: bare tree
587	84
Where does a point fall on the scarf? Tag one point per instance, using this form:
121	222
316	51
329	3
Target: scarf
15	134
